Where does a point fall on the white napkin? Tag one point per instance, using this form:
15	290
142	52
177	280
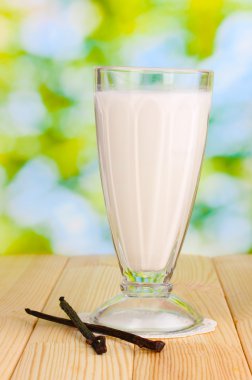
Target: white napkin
206	326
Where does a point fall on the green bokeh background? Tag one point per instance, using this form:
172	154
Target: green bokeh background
51	198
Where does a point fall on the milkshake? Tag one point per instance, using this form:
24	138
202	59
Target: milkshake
150	146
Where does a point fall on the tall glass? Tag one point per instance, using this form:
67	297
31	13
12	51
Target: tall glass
151	134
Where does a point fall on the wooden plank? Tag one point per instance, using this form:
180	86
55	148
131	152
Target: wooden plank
58	352
235	274
24	281
217	355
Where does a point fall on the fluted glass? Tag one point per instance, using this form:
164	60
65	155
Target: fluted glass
151	135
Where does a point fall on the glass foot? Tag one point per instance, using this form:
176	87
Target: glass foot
147	315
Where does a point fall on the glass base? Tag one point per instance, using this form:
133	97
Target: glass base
150	314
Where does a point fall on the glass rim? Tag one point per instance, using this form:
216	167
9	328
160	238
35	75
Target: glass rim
154	70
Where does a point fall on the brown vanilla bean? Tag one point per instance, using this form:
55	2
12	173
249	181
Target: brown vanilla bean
97	342
124	335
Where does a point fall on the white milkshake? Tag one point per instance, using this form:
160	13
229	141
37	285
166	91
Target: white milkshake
150	146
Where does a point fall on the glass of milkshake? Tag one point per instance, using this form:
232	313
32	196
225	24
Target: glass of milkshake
151	133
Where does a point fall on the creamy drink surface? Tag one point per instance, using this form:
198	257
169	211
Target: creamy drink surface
150	146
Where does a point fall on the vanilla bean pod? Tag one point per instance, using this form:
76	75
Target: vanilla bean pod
97	342
124	335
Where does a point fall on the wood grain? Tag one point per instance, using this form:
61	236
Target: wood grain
217	355
235	274
57	352
24	281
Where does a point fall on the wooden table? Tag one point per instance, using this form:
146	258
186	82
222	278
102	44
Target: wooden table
220	288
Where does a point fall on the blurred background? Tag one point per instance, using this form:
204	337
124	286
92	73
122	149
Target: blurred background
50	192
